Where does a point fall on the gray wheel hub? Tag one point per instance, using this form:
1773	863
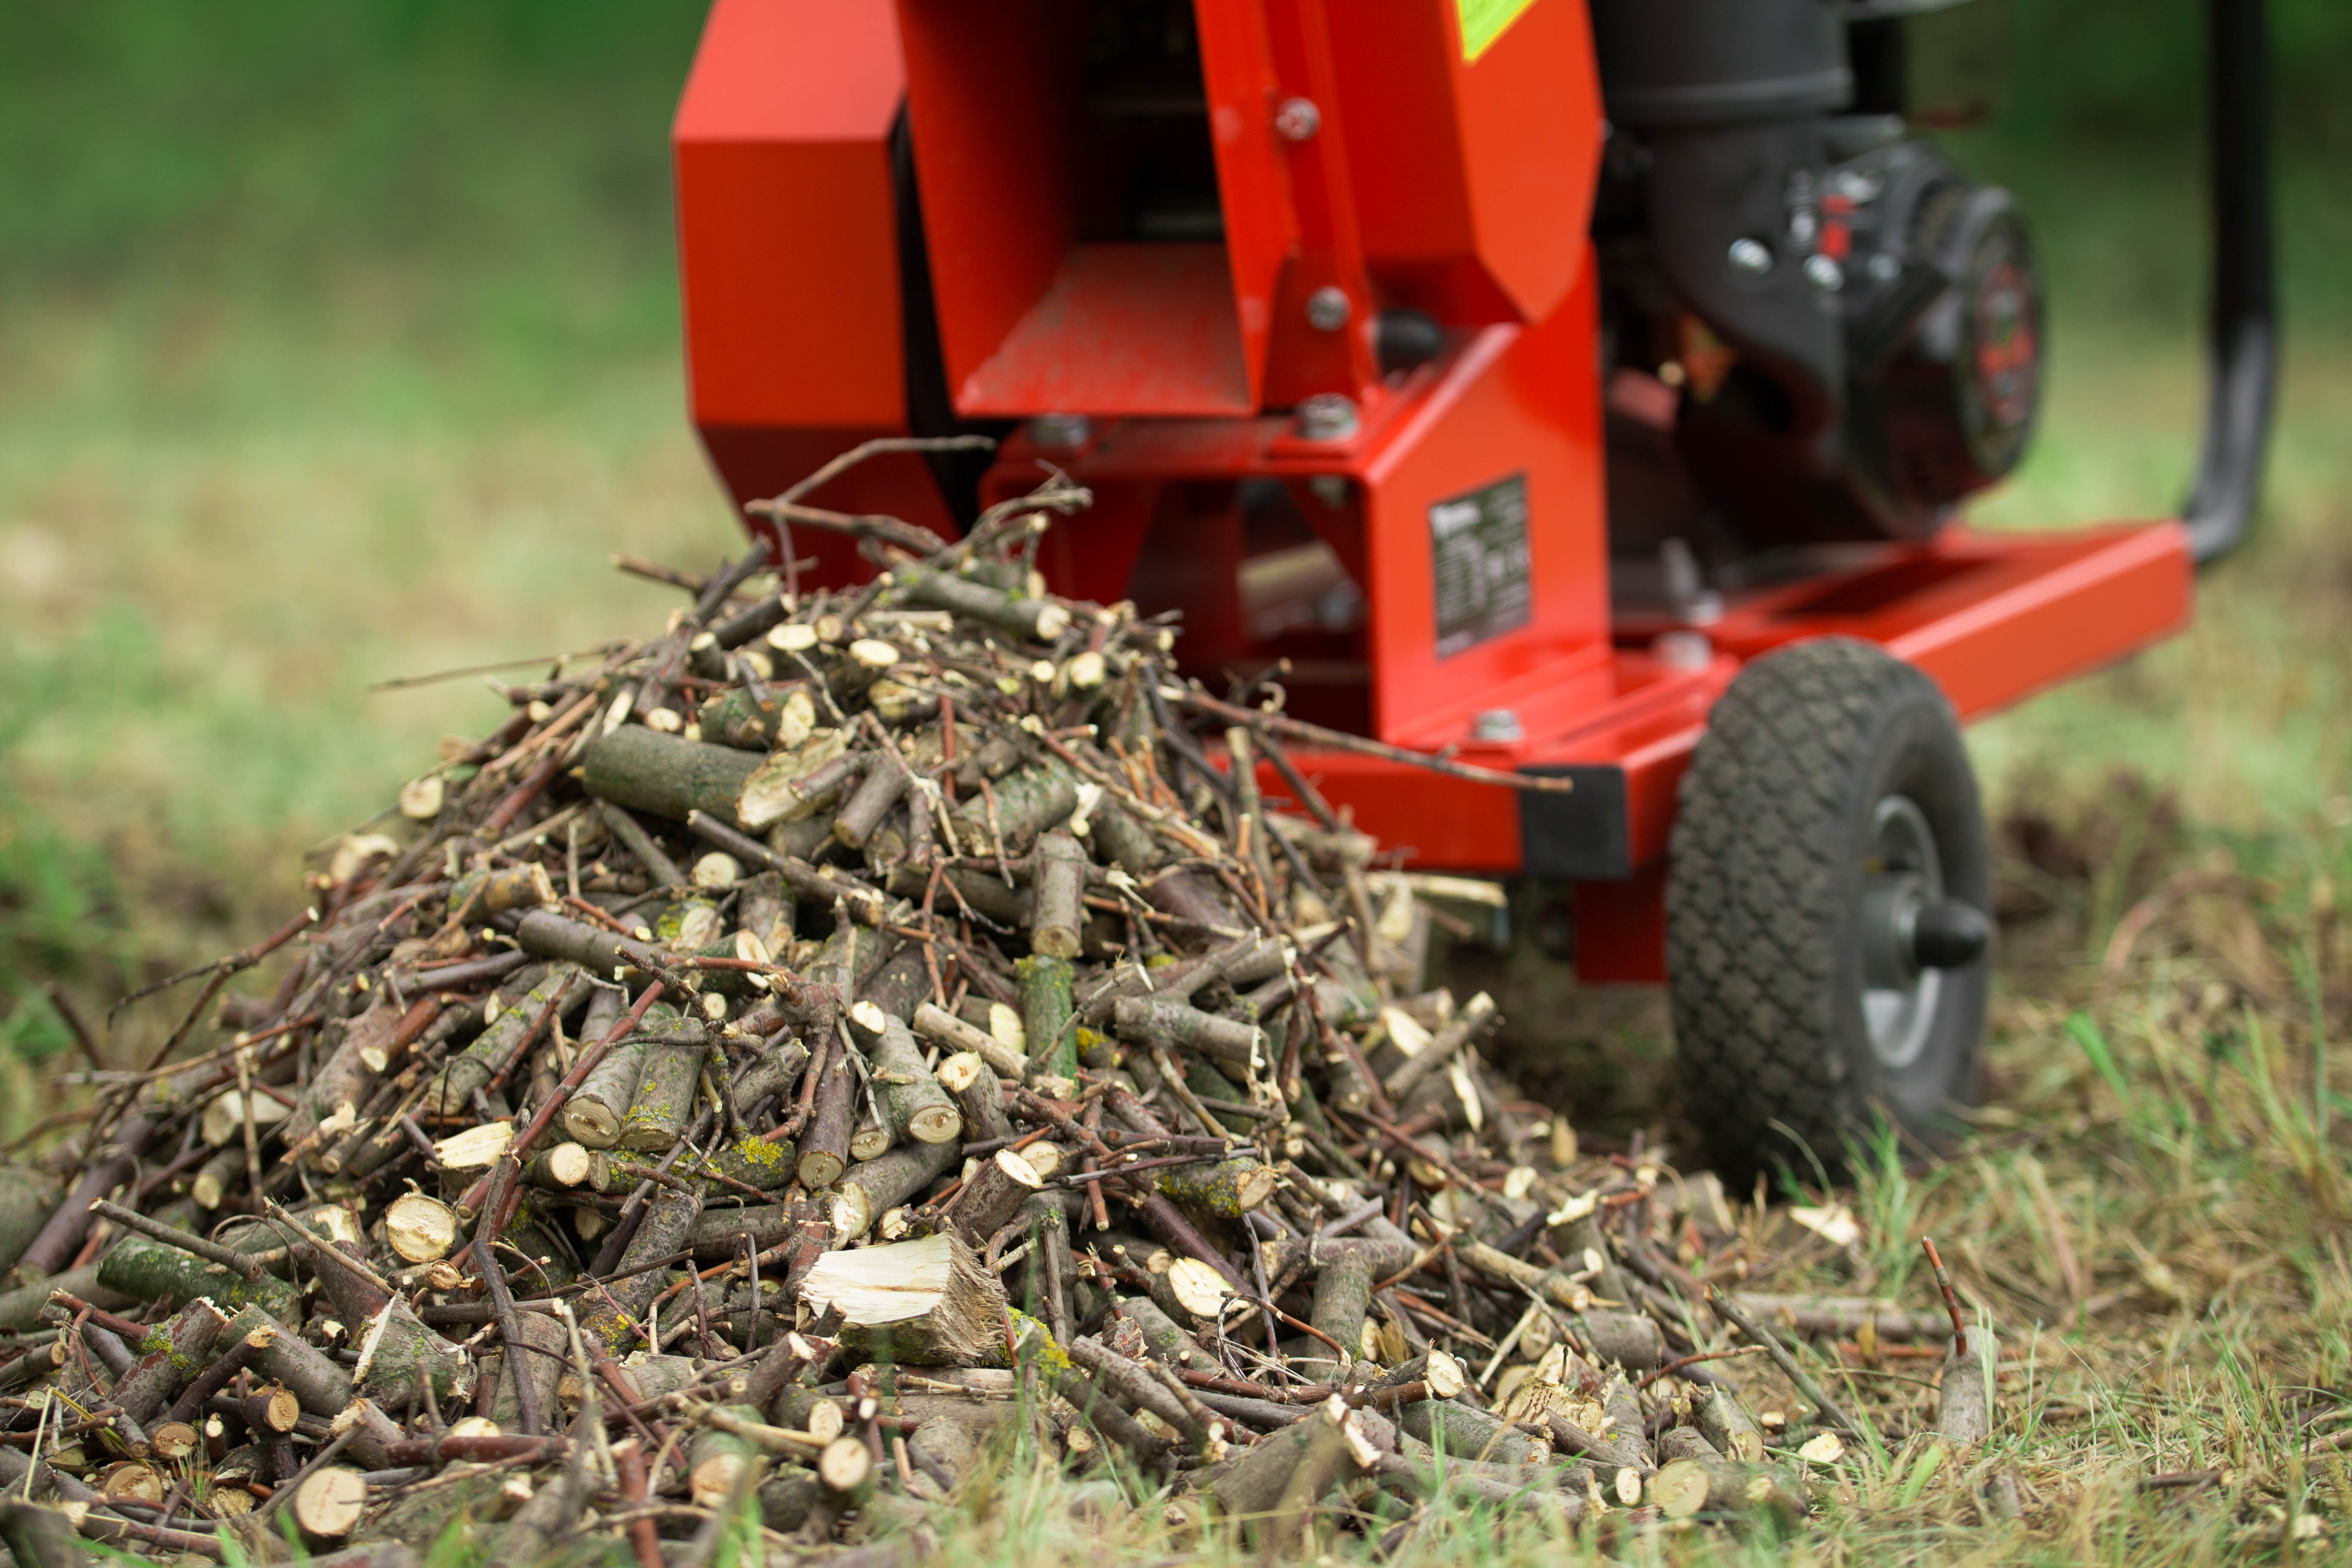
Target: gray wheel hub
1902	875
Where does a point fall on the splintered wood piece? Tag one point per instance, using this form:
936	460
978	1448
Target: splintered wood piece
328	1504
172	1440
133	1482
920	1303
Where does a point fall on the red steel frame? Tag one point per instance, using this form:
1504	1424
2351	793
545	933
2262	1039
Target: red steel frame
1453	180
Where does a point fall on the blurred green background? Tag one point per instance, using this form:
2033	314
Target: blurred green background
340	342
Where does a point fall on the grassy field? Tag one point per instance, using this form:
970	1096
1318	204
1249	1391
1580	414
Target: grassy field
248	471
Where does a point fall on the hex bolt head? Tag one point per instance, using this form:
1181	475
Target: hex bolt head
1498	726
1298	119
1752	256
1327	308
1061	432
1825	274
1327	417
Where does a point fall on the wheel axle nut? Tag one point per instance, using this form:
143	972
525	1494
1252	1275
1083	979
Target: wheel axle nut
1948	934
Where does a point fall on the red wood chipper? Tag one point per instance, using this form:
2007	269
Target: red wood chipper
1583	388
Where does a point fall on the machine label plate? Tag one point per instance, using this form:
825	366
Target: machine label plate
1484	21
1479	541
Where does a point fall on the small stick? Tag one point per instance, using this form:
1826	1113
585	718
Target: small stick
1812	1391
502	1302
1951	1299
247	1264
255	1197
1675	1366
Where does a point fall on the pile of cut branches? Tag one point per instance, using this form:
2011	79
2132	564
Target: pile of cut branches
846	1031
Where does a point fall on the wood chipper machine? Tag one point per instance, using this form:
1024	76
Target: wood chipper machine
1581	387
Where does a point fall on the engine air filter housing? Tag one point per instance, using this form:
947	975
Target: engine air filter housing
1669	63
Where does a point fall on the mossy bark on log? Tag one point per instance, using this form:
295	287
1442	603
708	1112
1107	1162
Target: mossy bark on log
1060	883
787	1500
910	1097
593	1116
775	1072
1039	797
667	775
1045	1014
497	1048
1228	1188
170	1357
978	1095
405	1353
877	1185
732	718
664	1104
751	1161
323	1386
1155	1021
152	1270
615	1308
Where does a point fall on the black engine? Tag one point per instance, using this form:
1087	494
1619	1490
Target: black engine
1819	328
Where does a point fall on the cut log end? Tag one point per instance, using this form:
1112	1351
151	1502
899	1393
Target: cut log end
1198	1289
942	1124
330	1503
845	1467
420	1229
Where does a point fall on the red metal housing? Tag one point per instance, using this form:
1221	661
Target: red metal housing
1356	156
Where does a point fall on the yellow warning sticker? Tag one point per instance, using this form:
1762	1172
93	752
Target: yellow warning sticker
1484	21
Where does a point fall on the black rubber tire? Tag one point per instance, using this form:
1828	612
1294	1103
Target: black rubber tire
1763	956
